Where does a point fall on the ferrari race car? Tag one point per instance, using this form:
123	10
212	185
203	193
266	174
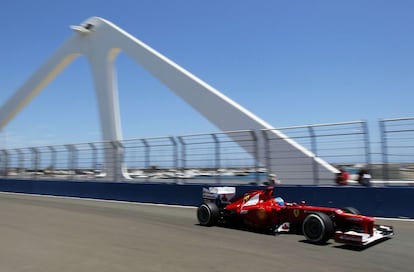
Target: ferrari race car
260	210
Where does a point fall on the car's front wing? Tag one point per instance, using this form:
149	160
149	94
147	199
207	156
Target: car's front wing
363	239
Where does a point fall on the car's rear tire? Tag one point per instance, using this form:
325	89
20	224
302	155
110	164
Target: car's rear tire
318	228
207	214
351	210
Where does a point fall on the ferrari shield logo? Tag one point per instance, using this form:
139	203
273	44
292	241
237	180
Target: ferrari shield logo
296	212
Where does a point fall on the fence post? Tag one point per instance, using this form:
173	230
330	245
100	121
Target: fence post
147	153
35	161
183	154
71	159
217	155
20	161
94	157
384	150
5	161
118	165
53	157
256	154
267	151
367	147
314	148
175	155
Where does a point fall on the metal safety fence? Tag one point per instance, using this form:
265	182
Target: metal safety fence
220	157
397	137
341	144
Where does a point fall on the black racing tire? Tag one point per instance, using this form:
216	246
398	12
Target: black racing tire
351	210
318	228
208	214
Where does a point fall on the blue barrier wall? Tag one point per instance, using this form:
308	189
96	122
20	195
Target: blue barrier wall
374	201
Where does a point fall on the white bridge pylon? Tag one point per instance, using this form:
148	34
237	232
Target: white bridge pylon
100	41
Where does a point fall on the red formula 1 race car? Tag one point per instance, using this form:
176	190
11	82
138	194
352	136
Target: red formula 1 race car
260	210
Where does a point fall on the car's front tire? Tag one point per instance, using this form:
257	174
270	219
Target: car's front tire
207	214
318	228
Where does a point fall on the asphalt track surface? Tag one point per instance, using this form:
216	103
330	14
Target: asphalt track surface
39	233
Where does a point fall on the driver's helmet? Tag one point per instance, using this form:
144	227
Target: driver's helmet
280	201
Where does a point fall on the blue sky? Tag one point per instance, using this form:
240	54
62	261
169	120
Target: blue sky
288	62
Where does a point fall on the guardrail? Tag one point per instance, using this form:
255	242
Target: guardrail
373	201
216	158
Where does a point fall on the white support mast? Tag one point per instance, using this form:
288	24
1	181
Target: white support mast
100	41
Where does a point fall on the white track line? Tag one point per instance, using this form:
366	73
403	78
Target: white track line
102	200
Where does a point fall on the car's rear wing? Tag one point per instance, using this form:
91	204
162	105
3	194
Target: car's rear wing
218	195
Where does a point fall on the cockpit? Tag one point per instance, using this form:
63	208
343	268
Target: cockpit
279	201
